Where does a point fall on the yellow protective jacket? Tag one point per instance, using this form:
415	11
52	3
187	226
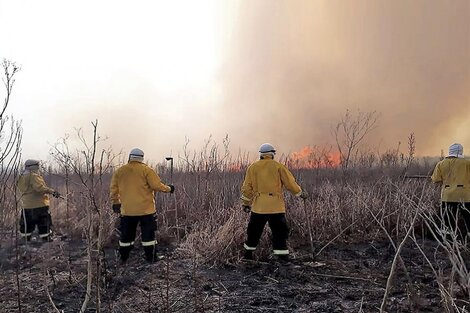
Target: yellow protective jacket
33	191
133	185
454	174
262	187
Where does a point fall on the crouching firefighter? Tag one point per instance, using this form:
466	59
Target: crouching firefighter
132	194
34	197
262	195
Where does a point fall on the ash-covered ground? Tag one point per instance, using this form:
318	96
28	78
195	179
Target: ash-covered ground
343	278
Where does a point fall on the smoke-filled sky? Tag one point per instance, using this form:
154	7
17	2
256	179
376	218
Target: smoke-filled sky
155	72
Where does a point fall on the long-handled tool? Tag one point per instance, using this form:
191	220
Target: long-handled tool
417	176
309	226
171	167
170	159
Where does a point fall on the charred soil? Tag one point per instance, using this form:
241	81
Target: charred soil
347	277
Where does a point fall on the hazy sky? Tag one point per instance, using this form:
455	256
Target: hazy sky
155	72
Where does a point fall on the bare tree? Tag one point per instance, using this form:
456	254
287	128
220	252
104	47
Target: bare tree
410	157
10	154
89	164
10	137
350	131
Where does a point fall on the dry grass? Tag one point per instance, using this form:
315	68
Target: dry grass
211	224
204	220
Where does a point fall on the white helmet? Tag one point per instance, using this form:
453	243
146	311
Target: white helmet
456	150
31	164
267	148
136	155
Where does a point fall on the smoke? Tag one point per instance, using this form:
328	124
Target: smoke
294	67
260	71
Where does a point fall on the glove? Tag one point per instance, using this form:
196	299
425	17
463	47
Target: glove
247	208
117	208
56	194
304	195
172	188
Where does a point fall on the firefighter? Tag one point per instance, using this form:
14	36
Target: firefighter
34	198
132	194
262	196
454	174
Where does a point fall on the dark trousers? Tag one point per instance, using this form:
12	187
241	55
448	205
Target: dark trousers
280	231
148	226
30	218
456	217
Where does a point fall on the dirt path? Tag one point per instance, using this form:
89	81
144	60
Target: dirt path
345	278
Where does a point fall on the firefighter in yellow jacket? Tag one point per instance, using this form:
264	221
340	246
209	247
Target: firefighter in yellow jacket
132	194
262	194
34	197
454	174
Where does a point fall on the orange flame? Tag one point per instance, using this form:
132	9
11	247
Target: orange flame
311	157
235	167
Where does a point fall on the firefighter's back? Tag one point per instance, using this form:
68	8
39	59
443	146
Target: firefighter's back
266	176
136	196
29	197
455	175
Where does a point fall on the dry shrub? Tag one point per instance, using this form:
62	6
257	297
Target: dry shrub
453	282
215	238
354	210
205	219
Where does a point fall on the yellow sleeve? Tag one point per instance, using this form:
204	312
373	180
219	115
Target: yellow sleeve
247	188
155	182
437	175
39	185
114	189
289	182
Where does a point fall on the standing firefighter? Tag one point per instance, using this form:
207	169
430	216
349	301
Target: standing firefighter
262	195
34	197
454	174
132	194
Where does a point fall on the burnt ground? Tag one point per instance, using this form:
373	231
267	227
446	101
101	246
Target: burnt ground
344	278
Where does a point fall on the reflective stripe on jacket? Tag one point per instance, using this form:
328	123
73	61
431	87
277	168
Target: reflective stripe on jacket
33	191
133	185
262	187
454	174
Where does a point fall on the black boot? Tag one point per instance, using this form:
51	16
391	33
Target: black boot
248	255
124	252
24	240
151	255
46	239
284	259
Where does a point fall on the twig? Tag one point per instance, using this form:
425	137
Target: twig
223	286
177	300
270	278
252	274
346	277
332	240
394	264
360	308
49	296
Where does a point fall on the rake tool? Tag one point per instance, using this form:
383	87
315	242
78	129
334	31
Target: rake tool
309	226
171	167
170	159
